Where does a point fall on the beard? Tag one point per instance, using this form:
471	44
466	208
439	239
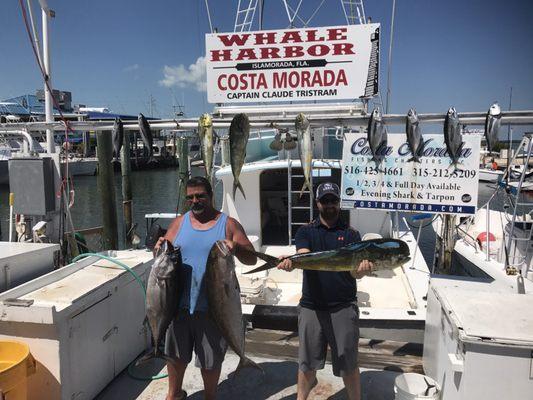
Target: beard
329	213
198	208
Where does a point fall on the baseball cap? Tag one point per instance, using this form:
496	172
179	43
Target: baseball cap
327	188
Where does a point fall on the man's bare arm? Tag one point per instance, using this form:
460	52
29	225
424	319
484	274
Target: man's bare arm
241	242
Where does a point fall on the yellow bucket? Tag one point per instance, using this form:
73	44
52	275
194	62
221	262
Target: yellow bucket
16	364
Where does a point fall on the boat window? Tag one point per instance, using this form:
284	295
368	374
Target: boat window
275	205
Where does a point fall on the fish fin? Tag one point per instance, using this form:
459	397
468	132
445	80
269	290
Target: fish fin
147	357
235	186
245	362
270	262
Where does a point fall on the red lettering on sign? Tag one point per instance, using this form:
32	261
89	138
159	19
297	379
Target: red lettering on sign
337	34
318	50
265	38
279	80
220	55
246	54
342	49
238	40
291	36
269	52
311	36
294	51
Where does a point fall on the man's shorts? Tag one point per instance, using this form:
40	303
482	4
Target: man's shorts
198	332
339	329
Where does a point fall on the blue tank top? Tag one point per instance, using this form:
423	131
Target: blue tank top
195	247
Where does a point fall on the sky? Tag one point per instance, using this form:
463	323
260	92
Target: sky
123	53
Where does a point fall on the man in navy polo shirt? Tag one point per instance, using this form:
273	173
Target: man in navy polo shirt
328	307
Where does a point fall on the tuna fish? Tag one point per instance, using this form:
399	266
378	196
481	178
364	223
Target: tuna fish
377	136
414	136
162	296
305	148
239	131
276	144
205	132
452	136
383	253
224	300
146	135
492	125
118	138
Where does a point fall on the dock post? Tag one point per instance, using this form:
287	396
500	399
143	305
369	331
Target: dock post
183	173
106	188
127	202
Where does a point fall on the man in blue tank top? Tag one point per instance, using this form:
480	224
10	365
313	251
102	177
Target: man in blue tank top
196	232
328	307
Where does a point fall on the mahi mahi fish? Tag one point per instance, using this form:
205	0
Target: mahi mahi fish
224	300
377	136
146	135
118	138
239	131
492	125
452	136
205	131
414	136
305	148
383	253
162	296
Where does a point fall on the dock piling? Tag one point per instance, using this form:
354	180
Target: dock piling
127	202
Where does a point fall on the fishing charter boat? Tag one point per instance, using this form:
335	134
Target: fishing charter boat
498	245
490	175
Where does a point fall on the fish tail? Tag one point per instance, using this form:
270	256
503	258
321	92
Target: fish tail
153	354
414	158
245	362
235	186
151	160
305	185
270	262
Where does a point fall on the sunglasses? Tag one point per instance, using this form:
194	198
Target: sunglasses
329	200
199	196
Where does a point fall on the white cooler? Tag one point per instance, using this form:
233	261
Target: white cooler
478	342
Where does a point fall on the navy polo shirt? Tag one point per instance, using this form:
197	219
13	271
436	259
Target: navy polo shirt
325	290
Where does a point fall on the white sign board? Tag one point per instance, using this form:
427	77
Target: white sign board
433	185
322	63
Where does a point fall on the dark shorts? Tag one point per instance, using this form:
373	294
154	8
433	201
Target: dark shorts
198	332
338	329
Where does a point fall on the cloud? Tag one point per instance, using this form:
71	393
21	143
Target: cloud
180	76
131	68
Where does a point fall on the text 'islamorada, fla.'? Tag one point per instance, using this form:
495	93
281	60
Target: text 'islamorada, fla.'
305	64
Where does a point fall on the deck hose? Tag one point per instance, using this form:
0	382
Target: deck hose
141	284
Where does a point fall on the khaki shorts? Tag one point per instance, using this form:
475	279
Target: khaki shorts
198	332
339	329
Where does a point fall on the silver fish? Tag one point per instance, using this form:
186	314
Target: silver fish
239	132
377	136
162	296
492	125
288	143
414	136
146	135
118	138
205	132
452	136
276	144
224	300
305	148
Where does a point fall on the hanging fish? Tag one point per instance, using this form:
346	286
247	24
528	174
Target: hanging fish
305	148
289	143
377	136
414	136
276	144
452	136
492	125
239	131
205	132
146	135
118	138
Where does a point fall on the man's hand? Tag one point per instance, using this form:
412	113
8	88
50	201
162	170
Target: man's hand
285	263
365	268
158	244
